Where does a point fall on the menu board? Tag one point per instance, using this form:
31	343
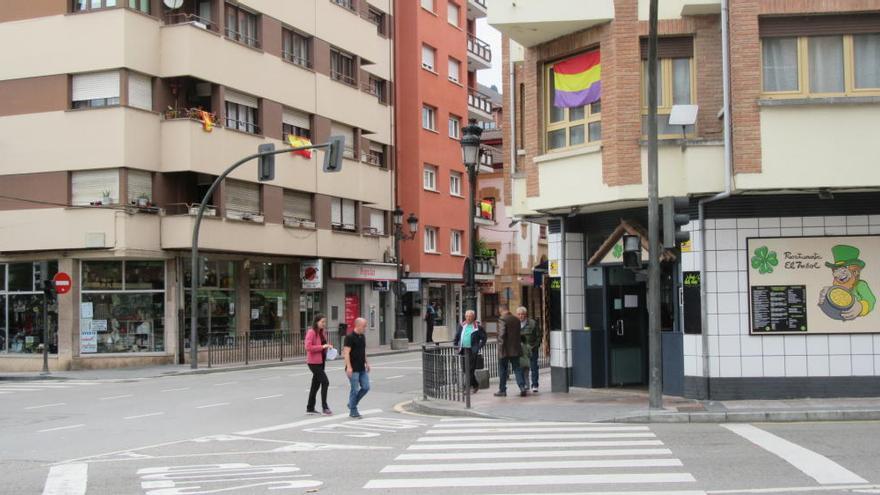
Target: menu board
779	308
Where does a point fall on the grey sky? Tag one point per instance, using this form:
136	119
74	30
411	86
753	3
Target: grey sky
492	36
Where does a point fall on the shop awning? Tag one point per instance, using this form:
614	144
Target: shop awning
611	251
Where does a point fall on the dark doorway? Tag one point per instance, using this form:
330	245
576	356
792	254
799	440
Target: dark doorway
383	327
627	328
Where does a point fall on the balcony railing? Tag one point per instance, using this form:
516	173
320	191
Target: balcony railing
479	101
187	18
188	113
481	3
479	48
484	265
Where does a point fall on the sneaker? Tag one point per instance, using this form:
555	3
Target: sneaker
328	412
534	390
355	414
311	411
500	394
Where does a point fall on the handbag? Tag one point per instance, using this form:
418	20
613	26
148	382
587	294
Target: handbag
332	354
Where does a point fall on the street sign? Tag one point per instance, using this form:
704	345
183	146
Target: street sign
62	283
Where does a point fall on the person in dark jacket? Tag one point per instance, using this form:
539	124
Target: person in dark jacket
509	351
531	339
471	337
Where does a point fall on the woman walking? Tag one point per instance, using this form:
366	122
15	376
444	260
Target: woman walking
316	353
470	338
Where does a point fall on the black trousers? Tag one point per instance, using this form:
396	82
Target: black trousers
429	332
470	357
319	380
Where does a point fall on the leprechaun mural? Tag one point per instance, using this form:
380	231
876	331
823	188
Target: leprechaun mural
848	297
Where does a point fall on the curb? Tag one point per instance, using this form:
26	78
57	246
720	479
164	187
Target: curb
752	416
424	407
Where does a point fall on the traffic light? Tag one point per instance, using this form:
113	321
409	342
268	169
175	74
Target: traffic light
632	252
266	170
333	155
673	221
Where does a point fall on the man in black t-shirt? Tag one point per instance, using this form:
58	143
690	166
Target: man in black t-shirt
354	352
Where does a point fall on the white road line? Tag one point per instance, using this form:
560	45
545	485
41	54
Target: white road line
3	389
270	378
269	397
552	436
552	429
47	405
175	389
531	454
496	423
469	420
305	422
521	466
114	397
526	445
816	466
34	385
541	480
213	405
799	489
224	383
70	427
144	415
394	377
640	492
67	479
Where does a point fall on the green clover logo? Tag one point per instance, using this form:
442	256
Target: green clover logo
617	252
764	260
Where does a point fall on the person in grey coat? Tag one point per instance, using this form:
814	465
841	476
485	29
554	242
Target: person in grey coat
509	352
531	338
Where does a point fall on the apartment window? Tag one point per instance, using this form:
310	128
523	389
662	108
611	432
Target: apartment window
296	47
241	25
455	183
342	214
376	154
90	187
139	184
297	206
429	178
83	5
96	89
342	67
348	4
454	70
429	118
377	222
338	129
453	14
428	56
428	5
377	17
376	88
569	127
140	5
140	91
542	232
455	242
430	239
674	87
241	112
242	199
295	123
454	127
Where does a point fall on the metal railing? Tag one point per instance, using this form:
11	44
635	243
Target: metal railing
189	113
481	3
479	48
254	346
479	101
188	18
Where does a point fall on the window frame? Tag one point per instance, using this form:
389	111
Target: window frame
377	17
456	248
236	34
667	96
432	67
340	225
237	123
458	17
434	172
432	233
457	127
432	9
449	62
289	36
589	116
340	75
453	177
433	117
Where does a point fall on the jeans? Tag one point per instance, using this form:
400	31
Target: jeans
319	380
360	385
503	373
533	365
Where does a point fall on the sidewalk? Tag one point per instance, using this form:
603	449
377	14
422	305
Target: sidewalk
177	369
626	405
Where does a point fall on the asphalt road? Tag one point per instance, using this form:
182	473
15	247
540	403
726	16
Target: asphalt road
246	432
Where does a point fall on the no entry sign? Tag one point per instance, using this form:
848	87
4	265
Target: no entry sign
62	283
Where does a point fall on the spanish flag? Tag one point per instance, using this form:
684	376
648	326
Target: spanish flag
207	121
577	80
298	142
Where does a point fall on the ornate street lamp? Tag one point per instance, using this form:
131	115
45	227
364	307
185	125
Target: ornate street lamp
470	154
400	340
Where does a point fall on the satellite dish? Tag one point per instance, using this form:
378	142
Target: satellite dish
173	4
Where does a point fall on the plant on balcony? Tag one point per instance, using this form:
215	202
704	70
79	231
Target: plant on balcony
105	197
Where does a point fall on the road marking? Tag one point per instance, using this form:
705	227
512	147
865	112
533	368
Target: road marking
526	445
213	405
2	389
530	454
468	420
798	489
552	436
270	378
541	480
114	397
493	423
47	405
175	389
649	492
557	429
520	466
144	415
269	397
820	468
394	377
224	383
297	424
61	428
67	479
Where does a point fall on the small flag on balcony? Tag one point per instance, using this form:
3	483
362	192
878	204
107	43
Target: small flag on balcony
577	80
207	121
299	142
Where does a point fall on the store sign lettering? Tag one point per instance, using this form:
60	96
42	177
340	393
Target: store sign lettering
801	261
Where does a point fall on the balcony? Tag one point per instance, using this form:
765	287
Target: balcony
477	9
479	53
192	18
532	22
484	268
700	7
479	106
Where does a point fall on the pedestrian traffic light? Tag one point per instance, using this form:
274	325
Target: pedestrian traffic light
266	170
333	155
673	220
632	252
48	287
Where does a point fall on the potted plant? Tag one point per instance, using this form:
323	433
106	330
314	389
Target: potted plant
143	201
105	197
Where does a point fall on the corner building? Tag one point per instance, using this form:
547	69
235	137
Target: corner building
117	116
772	297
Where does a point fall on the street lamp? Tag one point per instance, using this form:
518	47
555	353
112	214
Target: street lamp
470	154
400	340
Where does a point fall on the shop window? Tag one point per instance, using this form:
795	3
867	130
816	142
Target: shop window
268	294
102	275
354	297
21	307
437	297
216	302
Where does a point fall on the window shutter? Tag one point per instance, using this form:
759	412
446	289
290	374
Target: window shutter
427	57
817	25
242	197
377	147
675	47
140	183
95	86
377	221
140	91
454	70
297	205
246	100
336	211
452	14
296	118
88	185
348	213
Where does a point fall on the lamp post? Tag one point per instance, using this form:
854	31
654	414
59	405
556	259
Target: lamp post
400	340
470	153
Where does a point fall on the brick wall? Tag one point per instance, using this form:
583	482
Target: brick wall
745	83
707	62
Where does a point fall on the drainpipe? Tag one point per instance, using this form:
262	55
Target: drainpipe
512	110
728	184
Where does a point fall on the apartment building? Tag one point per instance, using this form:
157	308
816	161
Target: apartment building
771	297
437	58
116	117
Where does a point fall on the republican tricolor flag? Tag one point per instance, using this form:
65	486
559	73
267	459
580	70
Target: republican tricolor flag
577	80
299	142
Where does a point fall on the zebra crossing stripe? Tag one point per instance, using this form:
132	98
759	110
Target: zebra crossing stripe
552	436
526	445
469	420
640	492
518	424
538	480
551	429
521	466
537	454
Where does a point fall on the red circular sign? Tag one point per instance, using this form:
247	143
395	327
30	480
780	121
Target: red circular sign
62	283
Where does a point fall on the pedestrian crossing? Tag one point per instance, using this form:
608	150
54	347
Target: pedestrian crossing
472	455
23	387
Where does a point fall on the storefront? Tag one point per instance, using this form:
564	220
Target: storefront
21	307
361	290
